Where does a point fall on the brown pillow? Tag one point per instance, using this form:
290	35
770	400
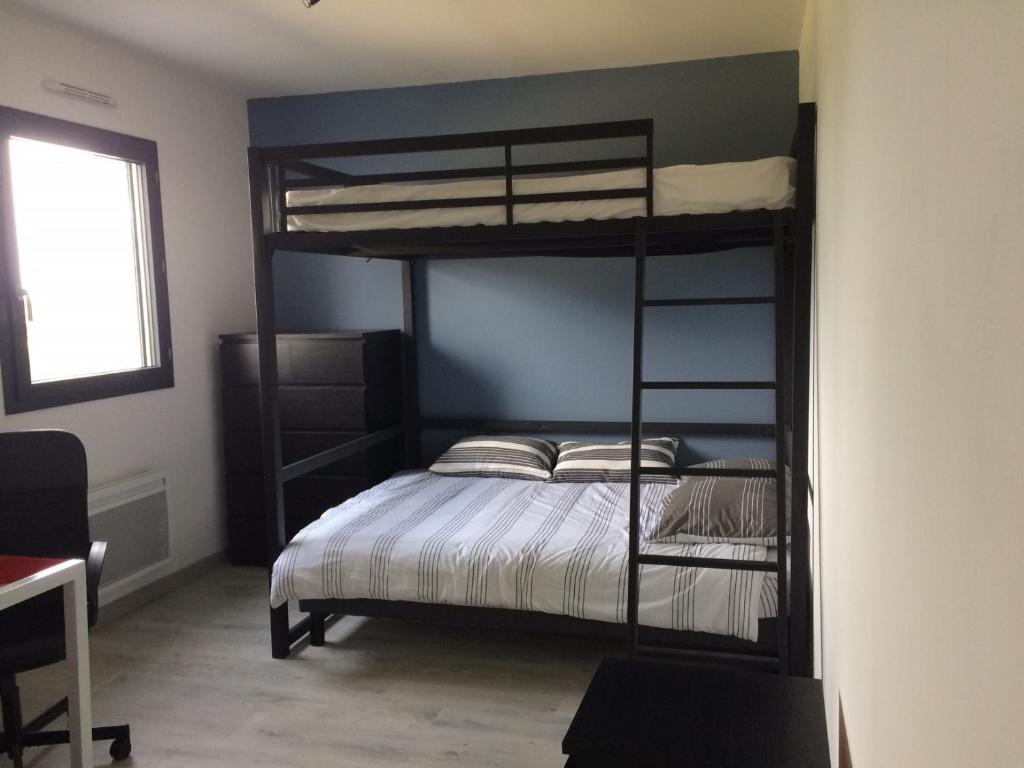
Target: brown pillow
734	510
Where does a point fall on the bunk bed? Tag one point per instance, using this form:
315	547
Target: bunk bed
303	200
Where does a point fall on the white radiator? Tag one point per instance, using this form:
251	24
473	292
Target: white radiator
132	517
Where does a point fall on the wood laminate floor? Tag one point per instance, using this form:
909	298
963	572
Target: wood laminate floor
193	675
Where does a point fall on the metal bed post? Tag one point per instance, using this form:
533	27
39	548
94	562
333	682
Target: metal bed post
802	606
636	435
270	422
636	423
649	169
782	622
509	205
410	382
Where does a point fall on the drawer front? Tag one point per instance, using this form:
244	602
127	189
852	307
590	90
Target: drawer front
340	408
244	496
247	541
240	364
305	498
309	497
243	451
324	362
301	361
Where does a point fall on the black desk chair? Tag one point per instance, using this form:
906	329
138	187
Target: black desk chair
43	513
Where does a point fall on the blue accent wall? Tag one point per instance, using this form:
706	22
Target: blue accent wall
542	338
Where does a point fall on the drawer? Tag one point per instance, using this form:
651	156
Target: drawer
299	361
247	541
305	498
320	408
324	362
243	451
240	364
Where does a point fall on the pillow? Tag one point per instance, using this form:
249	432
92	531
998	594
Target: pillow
523	458
733	510
581	462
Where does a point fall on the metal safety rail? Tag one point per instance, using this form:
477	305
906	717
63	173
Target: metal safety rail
297	172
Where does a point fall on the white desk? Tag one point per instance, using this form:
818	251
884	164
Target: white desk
22	578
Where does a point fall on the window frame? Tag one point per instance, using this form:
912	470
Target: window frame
20	393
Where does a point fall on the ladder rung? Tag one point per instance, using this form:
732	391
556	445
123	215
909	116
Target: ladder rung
718	301
666	471
681	561
707	384
658	651
722	472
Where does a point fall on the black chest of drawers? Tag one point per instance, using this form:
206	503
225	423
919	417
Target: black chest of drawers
654	714
333	387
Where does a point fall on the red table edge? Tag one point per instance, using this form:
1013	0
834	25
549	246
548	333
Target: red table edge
15	567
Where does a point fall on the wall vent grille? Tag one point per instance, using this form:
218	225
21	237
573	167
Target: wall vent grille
78	92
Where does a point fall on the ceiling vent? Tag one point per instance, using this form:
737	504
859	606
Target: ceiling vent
78	92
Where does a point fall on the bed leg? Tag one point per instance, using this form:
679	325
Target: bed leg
280	642
317	626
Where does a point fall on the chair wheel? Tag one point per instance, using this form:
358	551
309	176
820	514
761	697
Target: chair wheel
121	748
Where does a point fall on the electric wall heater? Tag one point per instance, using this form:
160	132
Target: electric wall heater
132	517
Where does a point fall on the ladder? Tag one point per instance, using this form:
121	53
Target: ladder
635	648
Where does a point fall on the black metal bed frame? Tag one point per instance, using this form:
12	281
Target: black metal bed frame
275	170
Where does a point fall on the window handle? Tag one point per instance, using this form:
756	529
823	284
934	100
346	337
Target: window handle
26	301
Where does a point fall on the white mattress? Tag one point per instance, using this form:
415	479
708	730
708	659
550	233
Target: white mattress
558	548
678	189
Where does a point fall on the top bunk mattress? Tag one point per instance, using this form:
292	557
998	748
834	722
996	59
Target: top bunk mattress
678	189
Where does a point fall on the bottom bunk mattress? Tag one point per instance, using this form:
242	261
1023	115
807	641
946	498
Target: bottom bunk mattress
558	548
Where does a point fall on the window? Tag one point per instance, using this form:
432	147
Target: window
83	276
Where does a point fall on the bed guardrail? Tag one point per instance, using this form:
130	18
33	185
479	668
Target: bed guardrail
301	167
751	429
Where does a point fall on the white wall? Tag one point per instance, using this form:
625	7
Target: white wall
809	52
920	251
201	133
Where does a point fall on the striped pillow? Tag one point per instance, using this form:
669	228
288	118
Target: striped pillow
724	510
580	462
523	458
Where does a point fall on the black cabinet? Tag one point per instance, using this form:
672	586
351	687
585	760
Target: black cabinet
666	715
333	388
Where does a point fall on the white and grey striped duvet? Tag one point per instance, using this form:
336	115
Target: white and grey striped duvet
502	543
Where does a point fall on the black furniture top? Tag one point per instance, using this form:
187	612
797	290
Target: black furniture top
656	715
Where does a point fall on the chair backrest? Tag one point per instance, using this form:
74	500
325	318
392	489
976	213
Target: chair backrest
43	513
43	491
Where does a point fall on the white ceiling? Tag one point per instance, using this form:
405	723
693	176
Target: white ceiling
277	47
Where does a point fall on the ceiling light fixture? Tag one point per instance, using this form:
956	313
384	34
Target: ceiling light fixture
310	3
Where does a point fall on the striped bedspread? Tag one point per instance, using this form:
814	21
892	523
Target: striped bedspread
553	547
